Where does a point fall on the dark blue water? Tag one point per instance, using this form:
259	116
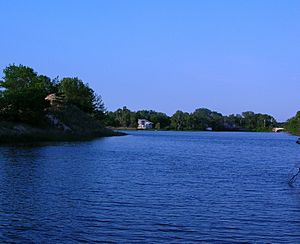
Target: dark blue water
153	187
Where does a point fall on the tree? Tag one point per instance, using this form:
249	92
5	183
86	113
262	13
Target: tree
293	124
201	119
155	117
23	94
180	120
249	120
110	119
133	120
233	122
157	126
257	122
76	92
98	107
123	117
160	119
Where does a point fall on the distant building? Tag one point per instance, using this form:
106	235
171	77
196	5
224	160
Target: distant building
278	129
144	124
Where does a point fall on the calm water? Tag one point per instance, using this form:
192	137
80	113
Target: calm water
154	187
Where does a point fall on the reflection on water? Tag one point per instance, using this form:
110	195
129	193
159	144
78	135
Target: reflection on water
152	187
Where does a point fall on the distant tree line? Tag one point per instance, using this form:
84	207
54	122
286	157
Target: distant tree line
200	119
23	92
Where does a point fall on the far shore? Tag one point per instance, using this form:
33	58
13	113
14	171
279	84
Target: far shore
135	129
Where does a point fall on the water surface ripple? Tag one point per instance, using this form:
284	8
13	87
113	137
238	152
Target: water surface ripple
153	187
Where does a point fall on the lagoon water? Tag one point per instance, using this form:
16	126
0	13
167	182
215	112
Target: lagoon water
153	187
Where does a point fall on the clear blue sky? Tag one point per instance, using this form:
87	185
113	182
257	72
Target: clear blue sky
228	56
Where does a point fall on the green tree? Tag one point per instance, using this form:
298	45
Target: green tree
133	120
110	119
257	122
155	117
293	124
233	122
203	118
162	119
249	120
98	107
123	117
157	126
23	94
180	120
76	92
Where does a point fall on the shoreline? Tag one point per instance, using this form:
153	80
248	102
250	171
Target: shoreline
15	133
135	129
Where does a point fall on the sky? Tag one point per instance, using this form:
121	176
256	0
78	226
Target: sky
226	55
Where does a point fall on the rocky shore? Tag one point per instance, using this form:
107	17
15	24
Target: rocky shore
66	123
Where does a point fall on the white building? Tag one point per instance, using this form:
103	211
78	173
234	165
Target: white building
144	124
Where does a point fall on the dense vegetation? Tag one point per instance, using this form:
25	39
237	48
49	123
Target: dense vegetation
200	119
23	92
293	124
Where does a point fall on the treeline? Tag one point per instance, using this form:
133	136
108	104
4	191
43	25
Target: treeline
200	119
23	93
293	124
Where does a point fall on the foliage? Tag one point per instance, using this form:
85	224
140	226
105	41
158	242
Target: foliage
203	118
200	119
123	117
76	92
23	94
257	122
155	117
293	124
180	120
